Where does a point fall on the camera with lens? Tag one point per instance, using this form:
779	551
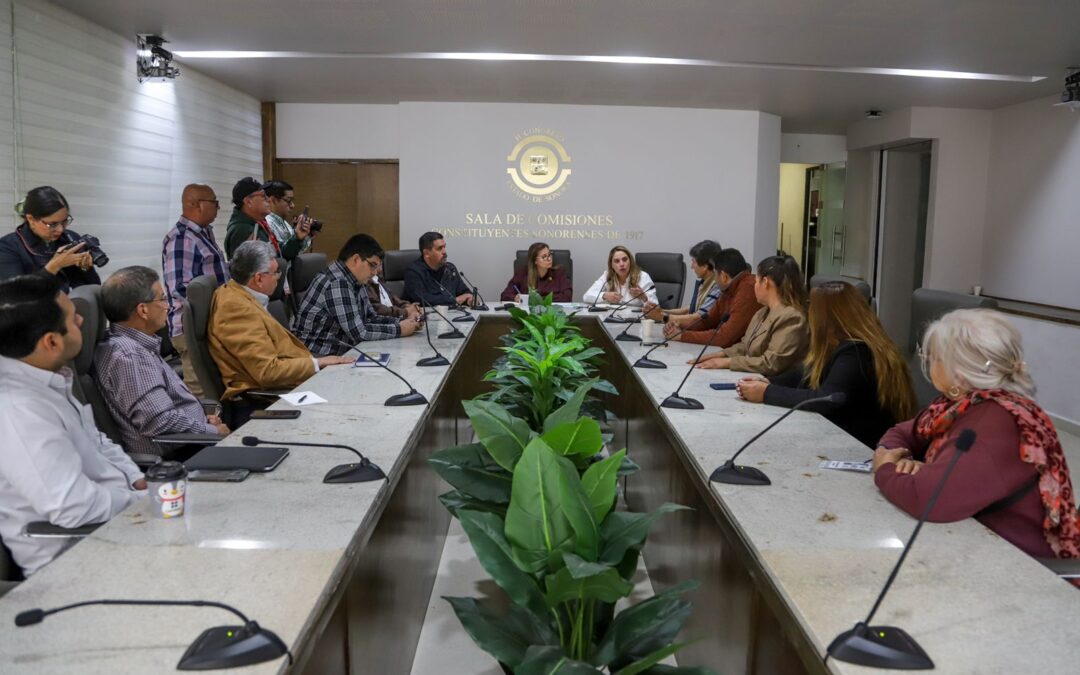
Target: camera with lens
316	225
93	247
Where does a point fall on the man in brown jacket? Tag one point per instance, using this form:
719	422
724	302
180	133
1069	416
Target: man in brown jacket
737	302
252	350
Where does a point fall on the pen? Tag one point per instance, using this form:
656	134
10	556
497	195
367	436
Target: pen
301	399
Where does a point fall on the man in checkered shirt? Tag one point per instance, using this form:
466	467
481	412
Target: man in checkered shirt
336	308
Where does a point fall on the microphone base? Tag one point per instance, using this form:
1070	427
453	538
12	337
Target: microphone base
626	337
464	319
682	403
480	308
437	360
731	474
357	472
232	647
597	310
412	398
649	363
879	647
613	319
451	335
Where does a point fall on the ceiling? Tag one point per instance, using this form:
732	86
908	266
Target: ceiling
1017	37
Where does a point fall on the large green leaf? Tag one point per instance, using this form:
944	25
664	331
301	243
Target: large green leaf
579	512
473	471
570	410
485	531
455	501
536	523
581	437
581	568
552	661
645	664
643	628
622	530
607	586
600	482
505	640
503	435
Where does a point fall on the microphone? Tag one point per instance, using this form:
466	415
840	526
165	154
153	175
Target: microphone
438	359
625	337
478	301
593	307
362	472
888	646
646	362
453	333
412	398
731	474
611	317
685	402
217	647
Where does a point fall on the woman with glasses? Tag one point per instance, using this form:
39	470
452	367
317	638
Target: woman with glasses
43	244
777	336
541	274
851	354
1014	479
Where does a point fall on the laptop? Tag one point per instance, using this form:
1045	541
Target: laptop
257	459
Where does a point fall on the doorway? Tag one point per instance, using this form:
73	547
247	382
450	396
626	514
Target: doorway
823	224
901	234
348	196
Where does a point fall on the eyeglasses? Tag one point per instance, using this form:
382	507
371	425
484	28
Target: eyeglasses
289	200
162	299
924	355
544	256
56	224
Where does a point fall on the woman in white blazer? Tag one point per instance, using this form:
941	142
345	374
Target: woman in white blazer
623	282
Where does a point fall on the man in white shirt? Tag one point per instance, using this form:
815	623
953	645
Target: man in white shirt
55	465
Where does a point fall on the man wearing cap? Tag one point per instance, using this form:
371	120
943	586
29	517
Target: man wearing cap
248	221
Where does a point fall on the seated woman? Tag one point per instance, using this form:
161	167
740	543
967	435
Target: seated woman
851	354
43	244
541	274
706	288
1014	479
777	336
623	282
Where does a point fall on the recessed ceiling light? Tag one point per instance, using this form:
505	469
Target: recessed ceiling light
613	59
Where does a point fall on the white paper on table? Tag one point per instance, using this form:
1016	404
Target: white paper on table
840	465
310	398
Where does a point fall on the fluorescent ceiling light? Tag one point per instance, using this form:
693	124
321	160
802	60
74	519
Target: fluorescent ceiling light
591	58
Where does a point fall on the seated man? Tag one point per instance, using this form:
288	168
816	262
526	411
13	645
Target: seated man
737	302
431	280
385	302
252	350
144	394
336	308
55	464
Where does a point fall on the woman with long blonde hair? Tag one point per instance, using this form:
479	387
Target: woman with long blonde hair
851	354
623	281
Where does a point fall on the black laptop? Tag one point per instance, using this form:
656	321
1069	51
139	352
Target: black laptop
257	459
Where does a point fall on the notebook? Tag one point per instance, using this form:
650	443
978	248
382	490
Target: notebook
258	459
365	362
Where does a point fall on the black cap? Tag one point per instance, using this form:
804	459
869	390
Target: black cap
244	188
165	472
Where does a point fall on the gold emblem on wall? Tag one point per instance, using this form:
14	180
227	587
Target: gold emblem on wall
538	166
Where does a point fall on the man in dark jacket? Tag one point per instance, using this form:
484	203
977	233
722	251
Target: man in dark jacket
248	222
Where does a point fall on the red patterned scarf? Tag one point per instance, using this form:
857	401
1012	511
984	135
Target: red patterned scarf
1039	445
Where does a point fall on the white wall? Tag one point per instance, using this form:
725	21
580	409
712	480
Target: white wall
337	131
119	151
1033	208
813	148
1052	351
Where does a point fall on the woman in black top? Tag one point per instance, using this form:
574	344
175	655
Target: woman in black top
43	244
850	354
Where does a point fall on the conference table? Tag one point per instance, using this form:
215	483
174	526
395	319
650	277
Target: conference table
343	572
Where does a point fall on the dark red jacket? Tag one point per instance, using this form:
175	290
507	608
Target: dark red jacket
555	282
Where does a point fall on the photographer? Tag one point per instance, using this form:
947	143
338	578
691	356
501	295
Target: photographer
282	201
43	244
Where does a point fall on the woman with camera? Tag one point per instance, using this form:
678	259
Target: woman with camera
43	244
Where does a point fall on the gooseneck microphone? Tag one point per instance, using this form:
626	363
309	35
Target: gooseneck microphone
731	474
646	362
610	318
358	472
453	333
888	646
217	647
455	305
624	336
478	300
437	360
412	398
685	402
593	307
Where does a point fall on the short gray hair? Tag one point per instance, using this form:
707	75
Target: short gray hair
980	349
125	290
249	259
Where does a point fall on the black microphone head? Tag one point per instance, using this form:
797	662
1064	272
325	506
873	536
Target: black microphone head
30	617
966	440
250	440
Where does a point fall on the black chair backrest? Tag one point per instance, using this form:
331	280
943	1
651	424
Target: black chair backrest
393	276
305	267
280	307
87	301
928	305
859	284
196	319
561	257
668	272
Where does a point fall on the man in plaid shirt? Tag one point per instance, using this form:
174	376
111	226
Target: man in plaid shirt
189	251
336	308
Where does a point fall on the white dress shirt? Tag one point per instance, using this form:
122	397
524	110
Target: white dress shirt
55	464
599	288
